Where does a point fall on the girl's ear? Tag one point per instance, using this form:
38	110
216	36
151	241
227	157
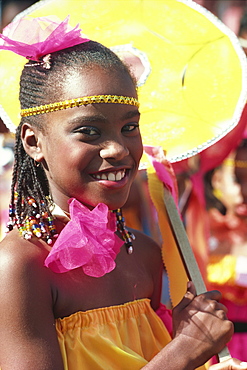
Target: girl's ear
31	140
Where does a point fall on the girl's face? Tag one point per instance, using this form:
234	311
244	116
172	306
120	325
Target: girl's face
92	152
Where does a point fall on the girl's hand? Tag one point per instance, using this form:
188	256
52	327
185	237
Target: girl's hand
232	364
202	323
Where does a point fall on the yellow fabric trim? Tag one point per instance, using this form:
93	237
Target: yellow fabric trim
171	257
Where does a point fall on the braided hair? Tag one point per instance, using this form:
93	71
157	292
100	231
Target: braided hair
30	205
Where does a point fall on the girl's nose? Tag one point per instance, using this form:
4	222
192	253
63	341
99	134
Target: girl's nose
114	150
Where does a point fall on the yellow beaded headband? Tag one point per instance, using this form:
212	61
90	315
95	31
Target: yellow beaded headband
47	108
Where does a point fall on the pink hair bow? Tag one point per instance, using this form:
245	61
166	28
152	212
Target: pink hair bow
88	240
34	38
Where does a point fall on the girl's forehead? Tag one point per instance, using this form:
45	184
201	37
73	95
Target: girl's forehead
97	81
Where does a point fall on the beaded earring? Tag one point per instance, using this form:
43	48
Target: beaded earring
126	235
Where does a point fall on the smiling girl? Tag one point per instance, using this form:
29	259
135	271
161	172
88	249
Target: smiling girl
78	291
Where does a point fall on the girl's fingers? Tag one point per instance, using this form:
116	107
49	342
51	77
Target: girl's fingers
210	299
188	297
213	295
231	364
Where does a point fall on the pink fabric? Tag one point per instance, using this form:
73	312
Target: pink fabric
238	343
36	37
163	169
166	316
88	240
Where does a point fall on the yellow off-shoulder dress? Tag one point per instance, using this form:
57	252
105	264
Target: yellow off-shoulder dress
123	337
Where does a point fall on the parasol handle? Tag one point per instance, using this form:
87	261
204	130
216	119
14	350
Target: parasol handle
187	255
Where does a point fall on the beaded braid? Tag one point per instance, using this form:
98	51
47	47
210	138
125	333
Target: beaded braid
31	203
31	213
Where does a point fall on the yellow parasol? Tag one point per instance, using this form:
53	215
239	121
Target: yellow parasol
192	70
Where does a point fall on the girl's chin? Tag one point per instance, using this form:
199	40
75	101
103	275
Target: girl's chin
111	205
113	202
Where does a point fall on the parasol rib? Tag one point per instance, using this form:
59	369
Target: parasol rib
187	255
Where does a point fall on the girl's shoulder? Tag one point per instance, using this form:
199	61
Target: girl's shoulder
147	247
26	304
23	276
146	241
17	254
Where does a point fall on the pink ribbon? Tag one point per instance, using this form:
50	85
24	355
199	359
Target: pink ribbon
88	241
47	35
163	169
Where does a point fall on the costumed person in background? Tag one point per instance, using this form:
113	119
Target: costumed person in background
190	174
76	293
240	165
227	244
209	203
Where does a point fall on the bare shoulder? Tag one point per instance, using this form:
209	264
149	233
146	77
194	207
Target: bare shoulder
18	254
22	268
146	243
148	250
26	306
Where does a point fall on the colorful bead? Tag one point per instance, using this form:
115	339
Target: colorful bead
39	224
127	236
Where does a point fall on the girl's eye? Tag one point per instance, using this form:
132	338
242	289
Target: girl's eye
88	131
131	127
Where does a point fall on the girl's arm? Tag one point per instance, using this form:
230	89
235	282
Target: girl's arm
27	332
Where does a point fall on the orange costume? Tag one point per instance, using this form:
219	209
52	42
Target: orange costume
127	336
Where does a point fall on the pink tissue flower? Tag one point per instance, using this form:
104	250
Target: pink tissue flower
88	241
48	34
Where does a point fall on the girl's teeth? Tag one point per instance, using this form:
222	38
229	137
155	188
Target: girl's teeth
118	176
112	177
